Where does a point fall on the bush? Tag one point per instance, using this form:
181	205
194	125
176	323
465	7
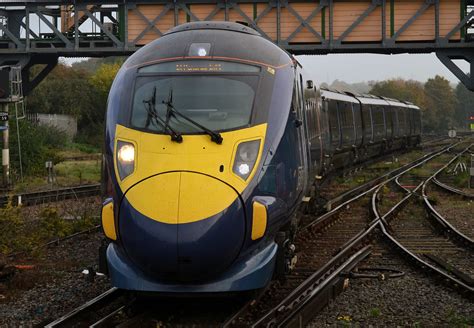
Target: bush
12	236
38	145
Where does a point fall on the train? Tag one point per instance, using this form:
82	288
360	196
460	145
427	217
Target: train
214	139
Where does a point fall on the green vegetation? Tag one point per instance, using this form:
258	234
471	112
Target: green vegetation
18	233
375	312
39	144
53	226
12	228
461	180
76	173
80	91
455	320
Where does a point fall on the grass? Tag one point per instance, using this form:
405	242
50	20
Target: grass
73	150
75	173
68	172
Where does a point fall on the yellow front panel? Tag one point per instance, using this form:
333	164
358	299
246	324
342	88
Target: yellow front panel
157	197
194	197
202	197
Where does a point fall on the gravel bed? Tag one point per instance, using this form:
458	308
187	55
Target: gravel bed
54	286
339	185
414	300
455	209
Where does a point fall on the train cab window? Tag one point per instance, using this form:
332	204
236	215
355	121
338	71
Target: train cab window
218	102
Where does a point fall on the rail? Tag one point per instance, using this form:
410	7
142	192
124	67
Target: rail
385	227
48	196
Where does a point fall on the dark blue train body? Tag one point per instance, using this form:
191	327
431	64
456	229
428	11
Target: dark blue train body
213	140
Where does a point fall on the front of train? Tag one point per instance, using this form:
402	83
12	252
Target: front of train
188	139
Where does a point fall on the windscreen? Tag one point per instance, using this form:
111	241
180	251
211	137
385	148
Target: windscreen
215	95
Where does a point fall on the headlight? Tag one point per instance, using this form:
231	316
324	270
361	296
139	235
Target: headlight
125	159
245	158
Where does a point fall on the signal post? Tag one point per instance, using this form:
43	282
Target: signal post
11	93
4	99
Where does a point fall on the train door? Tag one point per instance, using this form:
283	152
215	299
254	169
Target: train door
320	130
305	117
301	142
334	126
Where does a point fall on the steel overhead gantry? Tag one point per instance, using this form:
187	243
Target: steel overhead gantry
39	31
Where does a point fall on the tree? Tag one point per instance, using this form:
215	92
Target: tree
441	102
77	92
91	124
465	105
103	78
412	91
64	91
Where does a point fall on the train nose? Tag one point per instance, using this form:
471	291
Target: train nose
182	226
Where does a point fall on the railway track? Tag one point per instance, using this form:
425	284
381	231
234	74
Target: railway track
330	246
423	234
340	236
48	196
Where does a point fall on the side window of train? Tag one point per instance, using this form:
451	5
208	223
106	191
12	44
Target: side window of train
333	121
357	119
367	121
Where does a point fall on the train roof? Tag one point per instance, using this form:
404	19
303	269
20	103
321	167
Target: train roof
337	95
364	98
221	39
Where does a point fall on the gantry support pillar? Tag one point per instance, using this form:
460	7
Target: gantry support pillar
448	56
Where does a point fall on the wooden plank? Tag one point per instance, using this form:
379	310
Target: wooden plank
423	29
346	13
268	23
449	17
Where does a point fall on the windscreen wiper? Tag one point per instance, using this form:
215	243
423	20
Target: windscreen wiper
171	111
151	110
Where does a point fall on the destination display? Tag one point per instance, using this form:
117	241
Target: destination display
199	66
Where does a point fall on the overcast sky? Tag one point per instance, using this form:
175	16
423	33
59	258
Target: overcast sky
368	67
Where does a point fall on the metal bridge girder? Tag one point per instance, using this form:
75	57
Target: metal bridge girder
447	57
300	26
